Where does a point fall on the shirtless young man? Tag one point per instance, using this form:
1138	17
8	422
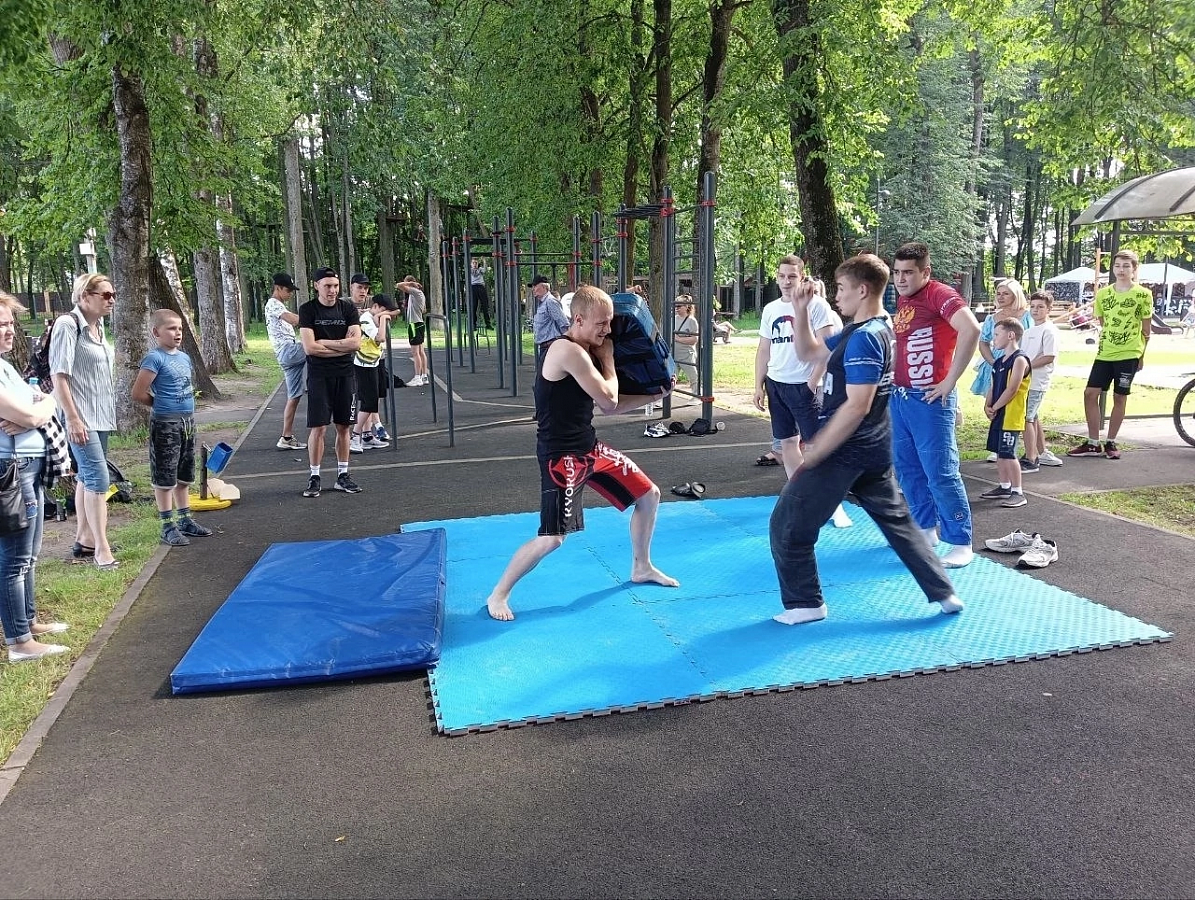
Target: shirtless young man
578	374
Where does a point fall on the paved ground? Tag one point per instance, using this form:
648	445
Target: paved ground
1061	777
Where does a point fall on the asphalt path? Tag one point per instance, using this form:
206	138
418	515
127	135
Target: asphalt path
1067	777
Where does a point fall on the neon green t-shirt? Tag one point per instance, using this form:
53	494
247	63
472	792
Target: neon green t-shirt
1121	314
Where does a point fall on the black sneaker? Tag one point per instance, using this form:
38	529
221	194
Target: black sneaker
996	493
191	528
346	484
172	536
1030	465
312	487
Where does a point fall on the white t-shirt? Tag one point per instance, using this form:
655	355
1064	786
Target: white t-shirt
776	326
1041	340
281	333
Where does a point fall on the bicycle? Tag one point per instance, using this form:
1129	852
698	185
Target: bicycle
1184	410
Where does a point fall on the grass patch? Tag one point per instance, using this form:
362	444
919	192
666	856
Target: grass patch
83	595
1171	507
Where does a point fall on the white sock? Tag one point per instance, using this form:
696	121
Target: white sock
1007	485
957	556
840	518
931	536
1018	490
315	471
342	468
951	605
801	615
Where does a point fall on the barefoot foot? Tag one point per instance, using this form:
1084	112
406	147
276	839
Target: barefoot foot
499	608
652	575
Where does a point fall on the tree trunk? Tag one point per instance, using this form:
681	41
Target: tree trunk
210	304
386	248
662	139
435	228
975	63
714	78
807	134
166	289
311	210
128	238
350	247
637	82
294	217
234	310
5	264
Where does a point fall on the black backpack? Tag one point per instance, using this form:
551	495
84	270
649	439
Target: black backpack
39	363
642	360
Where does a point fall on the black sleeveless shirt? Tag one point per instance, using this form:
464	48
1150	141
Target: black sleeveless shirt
564	413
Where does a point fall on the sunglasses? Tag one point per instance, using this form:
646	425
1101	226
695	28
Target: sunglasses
107	295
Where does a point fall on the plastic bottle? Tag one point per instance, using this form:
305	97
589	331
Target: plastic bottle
35	382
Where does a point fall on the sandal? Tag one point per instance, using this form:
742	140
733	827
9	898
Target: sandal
766	459
692	490
78	551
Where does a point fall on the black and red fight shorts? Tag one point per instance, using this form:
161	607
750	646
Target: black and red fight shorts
563	478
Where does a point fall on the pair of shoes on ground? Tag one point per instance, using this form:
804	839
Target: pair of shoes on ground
342	483
290	442
1036	551
802	615
690	490
1006	495
1093	448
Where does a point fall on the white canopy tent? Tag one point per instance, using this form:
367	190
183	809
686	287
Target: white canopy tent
1071	285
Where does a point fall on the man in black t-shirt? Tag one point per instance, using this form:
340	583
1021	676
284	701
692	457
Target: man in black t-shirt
330	329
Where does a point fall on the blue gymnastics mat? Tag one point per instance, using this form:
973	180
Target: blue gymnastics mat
321	610
586	641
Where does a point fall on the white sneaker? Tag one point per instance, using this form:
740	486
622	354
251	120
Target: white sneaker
991	457
1040	555
1047	458
957	556
355	444
1016	542
290	443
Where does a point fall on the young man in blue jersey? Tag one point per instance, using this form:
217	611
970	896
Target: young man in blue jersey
851	450
164	384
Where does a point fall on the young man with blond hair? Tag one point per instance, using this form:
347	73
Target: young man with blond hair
577	374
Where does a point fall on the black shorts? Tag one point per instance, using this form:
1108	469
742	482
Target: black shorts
330	398
562	485
171	451
415	334
367	388
1117	374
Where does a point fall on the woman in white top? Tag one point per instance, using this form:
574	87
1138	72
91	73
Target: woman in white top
81	365
23	410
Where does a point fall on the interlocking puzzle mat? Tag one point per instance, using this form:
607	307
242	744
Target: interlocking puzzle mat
586	641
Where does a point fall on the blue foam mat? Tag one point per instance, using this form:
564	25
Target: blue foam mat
321	610
586	641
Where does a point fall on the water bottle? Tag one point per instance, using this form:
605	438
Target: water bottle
35	382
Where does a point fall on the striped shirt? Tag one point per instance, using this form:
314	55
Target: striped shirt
88	364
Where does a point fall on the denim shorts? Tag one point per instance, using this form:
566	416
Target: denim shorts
1033	405
171	451
91	461
294	366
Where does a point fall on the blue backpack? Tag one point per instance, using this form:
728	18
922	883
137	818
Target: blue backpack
641	357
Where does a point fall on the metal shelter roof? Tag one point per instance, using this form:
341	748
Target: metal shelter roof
1157	196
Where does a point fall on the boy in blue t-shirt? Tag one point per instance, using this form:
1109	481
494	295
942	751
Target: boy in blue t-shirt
851	450
164	384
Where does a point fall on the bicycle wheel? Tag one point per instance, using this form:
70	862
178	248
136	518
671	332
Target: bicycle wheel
1184	412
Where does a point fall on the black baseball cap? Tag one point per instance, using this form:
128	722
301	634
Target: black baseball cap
283	280
359	278
385	301
323	272
539	279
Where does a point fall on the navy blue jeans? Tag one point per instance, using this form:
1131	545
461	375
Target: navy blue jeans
18	558
807	502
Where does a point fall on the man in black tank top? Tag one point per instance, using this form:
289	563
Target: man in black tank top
576	374
851	451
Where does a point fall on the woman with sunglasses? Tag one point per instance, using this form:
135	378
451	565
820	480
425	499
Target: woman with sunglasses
81	366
